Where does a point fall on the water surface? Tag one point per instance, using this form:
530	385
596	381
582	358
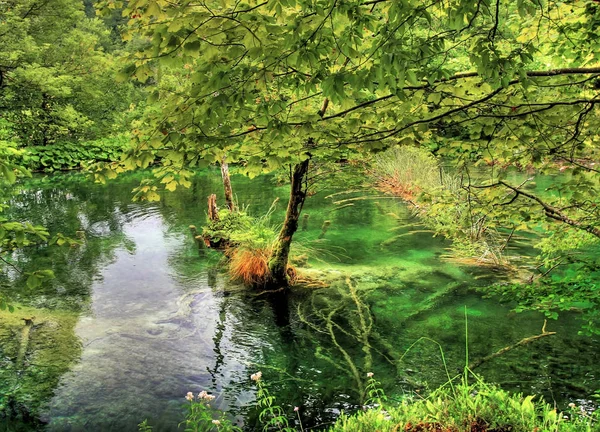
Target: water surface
136	316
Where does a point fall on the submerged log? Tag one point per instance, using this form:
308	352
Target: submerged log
24	343
324	228
198	239
504	350
305	222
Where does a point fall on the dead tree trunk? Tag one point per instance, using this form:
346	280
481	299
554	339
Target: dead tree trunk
227	183
281	251
213	210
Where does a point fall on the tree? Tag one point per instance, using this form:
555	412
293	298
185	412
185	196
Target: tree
281	82
57	80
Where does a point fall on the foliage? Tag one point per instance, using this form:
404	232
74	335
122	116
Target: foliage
201	417
17	234
269	82
478	406
56	76
144	426
561	293
69	155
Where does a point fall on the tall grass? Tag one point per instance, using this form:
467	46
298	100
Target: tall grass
407	171
439	199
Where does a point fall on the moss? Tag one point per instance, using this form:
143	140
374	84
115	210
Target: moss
48	350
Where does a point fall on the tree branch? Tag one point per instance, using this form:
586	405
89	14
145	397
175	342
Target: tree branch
555	213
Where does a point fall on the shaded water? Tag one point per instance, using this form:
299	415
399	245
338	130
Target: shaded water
137	317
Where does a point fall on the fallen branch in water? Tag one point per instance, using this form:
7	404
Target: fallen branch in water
522	342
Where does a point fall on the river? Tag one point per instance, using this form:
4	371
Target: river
137	316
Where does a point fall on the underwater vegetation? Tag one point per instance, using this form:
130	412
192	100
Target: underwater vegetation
37	347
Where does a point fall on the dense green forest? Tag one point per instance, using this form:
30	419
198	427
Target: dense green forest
382	195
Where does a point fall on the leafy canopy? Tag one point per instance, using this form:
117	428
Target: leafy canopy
262	79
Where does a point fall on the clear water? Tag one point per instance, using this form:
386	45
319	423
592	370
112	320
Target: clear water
137	316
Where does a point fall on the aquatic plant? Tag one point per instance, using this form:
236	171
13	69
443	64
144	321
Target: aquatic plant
375	393
38	347
442	204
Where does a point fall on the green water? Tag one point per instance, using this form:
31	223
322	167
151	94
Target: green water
136	316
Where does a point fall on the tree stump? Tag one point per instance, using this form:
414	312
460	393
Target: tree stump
213	210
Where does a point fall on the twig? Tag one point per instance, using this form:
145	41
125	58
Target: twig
11	264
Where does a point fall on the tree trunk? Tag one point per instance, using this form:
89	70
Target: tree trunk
281	251
227	183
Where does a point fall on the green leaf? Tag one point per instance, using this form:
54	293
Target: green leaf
33	281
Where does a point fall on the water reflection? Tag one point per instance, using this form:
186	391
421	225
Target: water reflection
145	318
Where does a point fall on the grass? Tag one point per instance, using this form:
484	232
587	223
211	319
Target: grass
248	244
406	172
249	265
442	203
477	407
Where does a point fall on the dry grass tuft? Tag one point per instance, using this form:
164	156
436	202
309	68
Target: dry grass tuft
250	266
